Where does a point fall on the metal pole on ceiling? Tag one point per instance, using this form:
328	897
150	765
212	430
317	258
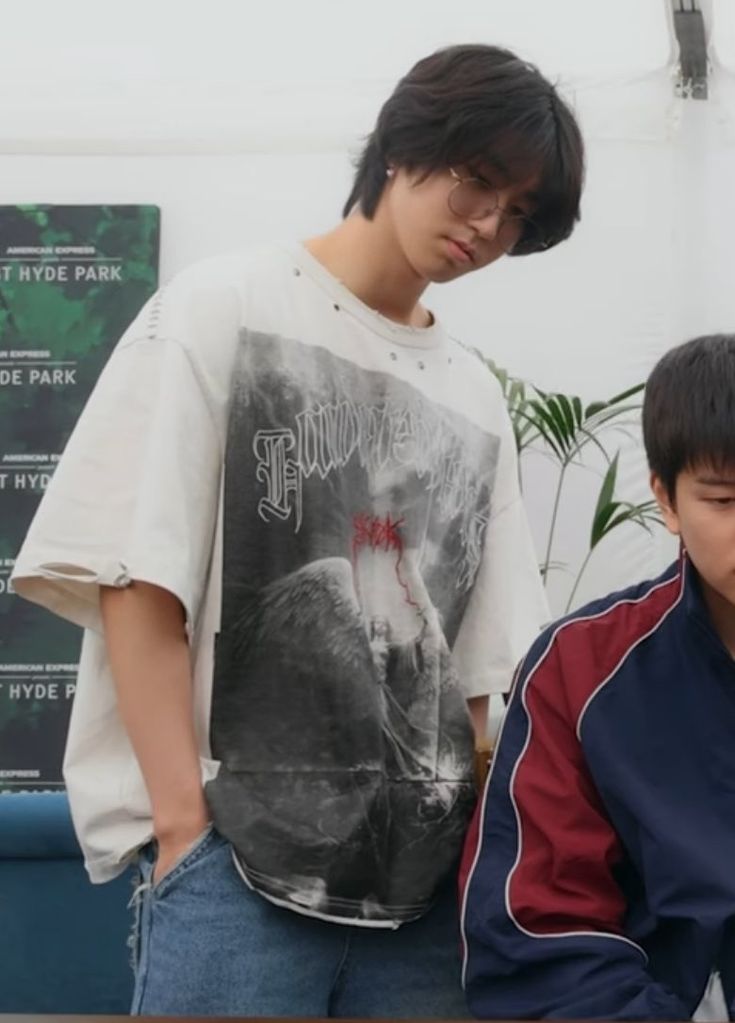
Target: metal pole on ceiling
689	27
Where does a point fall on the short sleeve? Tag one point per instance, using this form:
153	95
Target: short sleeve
135	493
508	605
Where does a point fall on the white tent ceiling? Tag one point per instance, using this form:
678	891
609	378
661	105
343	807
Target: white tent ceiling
229	75
722	35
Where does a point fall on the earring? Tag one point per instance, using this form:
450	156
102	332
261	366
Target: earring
390	171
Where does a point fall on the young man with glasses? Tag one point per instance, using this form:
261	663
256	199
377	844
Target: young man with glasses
289	521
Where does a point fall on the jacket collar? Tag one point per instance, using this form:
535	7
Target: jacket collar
694	605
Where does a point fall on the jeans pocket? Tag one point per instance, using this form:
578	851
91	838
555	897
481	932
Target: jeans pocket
191	855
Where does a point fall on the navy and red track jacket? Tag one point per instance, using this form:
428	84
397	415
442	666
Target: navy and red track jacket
598	878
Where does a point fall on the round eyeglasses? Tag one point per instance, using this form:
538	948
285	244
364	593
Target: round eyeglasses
473	199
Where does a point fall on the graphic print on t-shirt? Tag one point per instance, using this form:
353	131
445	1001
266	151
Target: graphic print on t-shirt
354	518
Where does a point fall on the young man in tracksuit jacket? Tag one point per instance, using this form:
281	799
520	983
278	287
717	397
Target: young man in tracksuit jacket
599	873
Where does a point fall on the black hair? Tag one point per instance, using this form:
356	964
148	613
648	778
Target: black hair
689	409
471	103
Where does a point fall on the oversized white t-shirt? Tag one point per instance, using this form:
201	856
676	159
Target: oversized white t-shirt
334	499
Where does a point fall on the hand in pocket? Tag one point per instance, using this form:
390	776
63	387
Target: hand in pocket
173	848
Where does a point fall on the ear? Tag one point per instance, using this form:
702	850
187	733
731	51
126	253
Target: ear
666	505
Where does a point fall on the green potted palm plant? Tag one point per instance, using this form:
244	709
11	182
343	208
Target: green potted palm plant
562	427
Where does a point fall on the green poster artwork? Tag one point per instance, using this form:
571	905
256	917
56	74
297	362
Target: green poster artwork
72	278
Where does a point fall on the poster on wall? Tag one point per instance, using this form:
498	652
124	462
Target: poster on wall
72	278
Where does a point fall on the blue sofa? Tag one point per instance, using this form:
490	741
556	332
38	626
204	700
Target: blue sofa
63	941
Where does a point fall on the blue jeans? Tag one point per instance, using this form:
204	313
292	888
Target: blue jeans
206	945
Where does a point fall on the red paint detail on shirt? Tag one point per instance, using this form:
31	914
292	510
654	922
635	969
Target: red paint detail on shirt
381	534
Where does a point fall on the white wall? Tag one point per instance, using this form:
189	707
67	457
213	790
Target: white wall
239	119
305	74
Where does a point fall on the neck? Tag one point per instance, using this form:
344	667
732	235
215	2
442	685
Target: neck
367	259
722	615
